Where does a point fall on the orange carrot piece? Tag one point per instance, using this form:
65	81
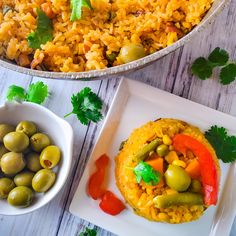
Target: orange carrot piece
193	169
156	164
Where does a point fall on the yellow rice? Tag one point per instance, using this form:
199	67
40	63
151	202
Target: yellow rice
140	196
82	45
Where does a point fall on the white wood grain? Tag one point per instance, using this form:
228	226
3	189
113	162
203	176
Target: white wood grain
170	73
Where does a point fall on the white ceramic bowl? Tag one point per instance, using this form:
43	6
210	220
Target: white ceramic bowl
61	134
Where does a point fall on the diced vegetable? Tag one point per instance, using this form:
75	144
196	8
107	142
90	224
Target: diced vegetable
96	180
156	164
166	140
178	199
179	163
208	169
193	169
110	204
171	156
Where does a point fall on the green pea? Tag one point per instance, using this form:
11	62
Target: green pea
195	186
162	150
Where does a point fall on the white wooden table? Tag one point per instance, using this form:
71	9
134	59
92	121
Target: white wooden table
170	73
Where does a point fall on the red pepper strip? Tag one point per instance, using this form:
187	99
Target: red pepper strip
182	143
111	204
96	180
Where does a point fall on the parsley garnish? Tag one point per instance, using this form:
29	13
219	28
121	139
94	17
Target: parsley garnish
224	145
145	172
36	93
88	232
203	68
43	33
15	93
76	6
86	106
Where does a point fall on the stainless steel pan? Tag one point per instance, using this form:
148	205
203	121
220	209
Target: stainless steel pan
216	8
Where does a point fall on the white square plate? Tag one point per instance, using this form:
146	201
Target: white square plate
135	104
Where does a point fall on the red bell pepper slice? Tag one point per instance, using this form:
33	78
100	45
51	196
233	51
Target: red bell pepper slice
110	204
96	180
182	143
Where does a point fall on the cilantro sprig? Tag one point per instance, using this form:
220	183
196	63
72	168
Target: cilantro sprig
203	67
76	6
88	232
86	106
224	144
43	33
145	172
36	93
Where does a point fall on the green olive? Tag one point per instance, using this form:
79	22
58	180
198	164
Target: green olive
16	141
39	141
27	127
12	163
20	196
177	178
6	185
131	52
162	150
24	179
43	180
5	129
32	162
3	150
50	157
195	186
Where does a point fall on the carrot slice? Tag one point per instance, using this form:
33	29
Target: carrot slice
193	169
156	164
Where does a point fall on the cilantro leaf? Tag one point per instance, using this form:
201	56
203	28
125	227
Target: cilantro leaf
145	172
224	145
218	57
202	68
15	93
228	74
76	6
43	33
88	232
37	92
86	106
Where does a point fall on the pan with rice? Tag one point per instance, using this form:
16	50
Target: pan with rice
107	34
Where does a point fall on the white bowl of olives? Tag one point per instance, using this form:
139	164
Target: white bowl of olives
35	156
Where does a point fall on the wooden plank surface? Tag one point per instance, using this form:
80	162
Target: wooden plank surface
171	73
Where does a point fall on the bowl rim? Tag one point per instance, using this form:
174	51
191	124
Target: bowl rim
111	71
66	172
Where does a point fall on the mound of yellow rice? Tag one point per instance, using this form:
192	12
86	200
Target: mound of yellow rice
140	196
82	45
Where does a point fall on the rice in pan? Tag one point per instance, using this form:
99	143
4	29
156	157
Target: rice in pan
94	41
